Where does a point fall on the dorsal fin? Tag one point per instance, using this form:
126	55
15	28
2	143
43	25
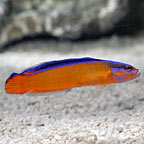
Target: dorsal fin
55	64
11	76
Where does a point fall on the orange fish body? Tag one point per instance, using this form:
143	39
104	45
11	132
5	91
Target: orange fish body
66	74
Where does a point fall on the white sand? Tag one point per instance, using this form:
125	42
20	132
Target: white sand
112	115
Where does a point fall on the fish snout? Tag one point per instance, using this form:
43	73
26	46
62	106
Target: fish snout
137	72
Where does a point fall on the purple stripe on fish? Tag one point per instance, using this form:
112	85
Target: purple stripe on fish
120	79
62	63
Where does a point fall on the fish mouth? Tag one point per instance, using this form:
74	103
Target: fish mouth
137	72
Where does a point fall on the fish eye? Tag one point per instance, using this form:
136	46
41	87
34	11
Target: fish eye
128	68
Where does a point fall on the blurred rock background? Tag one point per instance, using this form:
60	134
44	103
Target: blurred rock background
69	19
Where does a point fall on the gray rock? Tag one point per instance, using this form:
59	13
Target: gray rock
2	11
132	23
65	19
60	18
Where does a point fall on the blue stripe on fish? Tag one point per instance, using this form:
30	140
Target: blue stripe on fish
12	76
62	63
122	78
57	64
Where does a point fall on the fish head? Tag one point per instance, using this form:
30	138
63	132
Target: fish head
123	72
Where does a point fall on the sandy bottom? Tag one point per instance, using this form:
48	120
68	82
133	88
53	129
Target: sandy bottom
87	115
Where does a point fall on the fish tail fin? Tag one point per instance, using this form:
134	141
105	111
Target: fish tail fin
15	84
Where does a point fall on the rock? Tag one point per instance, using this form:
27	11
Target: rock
2	5
132	23
62	19
71	19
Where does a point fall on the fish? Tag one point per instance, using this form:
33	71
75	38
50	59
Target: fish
66	74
